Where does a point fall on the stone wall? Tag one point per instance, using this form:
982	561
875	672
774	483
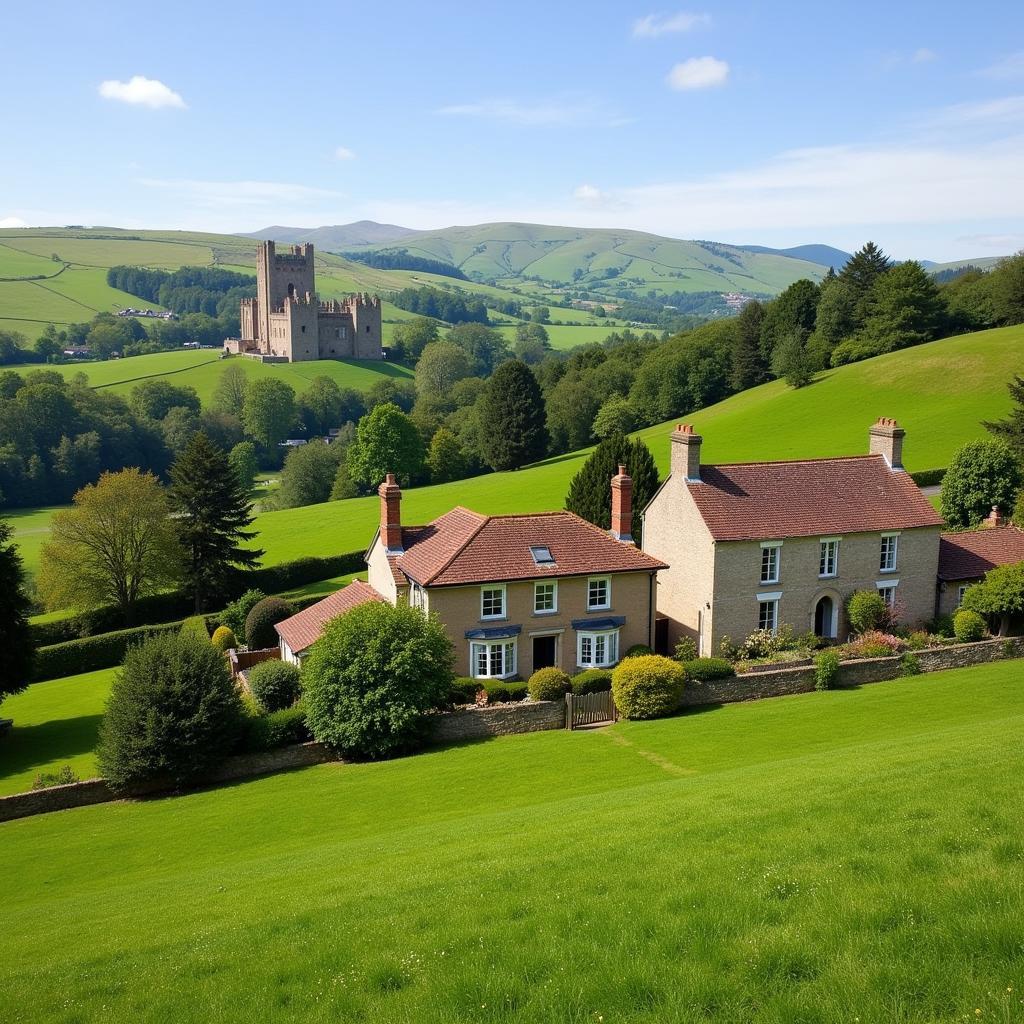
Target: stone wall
498	720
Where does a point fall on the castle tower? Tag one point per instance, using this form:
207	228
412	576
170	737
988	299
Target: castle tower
280	276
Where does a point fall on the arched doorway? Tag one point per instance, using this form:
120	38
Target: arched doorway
291	291
824	618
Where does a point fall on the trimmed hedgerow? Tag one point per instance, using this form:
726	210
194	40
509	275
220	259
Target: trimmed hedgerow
968	626
464	690
278	729
506	693
648	687
195	626
549	684
276	685
591	680
705	669
260	622
92	652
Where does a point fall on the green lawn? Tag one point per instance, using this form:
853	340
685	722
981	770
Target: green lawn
55	724
838	857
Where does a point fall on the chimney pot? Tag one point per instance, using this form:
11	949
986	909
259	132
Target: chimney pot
994	519
686	444
622	506
885	438
391	514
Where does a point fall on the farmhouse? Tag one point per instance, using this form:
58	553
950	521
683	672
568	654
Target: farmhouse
515	593
756	545
286	322
964	558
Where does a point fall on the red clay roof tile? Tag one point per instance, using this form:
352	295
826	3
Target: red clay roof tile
968	556
302	630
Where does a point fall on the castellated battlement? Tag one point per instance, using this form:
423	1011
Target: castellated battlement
287	320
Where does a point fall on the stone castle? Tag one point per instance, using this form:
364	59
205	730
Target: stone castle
286	322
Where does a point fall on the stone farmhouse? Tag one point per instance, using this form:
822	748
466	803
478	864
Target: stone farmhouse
515	593
756	545
286	322
964	558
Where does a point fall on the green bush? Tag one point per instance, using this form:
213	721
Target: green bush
866	610
637	650
592	680
549	684
173	713
941	625
910	664
826	670
274	579
373	676
195	626
968	626
918	640
282	728
223	639
92	652
260	622
686	649
62	777
506	693
648	687
275	684
235	614
464	690
705	669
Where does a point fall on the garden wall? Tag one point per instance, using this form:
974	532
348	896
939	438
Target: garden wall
472	723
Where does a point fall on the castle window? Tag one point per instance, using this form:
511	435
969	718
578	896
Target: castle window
303	328
367	328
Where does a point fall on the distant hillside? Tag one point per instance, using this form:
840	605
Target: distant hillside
336	236
826	255
981	262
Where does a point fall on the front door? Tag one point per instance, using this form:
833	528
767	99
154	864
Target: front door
544	651
823	618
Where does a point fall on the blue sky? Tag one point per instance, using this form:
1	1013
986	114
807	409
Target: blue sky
775	123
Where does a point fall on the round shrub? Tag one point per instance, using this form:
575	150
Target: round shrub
648	687
173	713
705	669
274	684
373	676
826	670
223	639
464	690
866	610
235	614
260	622
549	684
968	626
637	650
592	680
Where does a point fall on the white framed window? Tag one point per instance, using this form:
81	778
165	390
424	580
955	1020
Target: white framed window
418	597
771	553
828	557
492	602
492	659
767	612
599	593
887	556
545	597
887	588
597	650
960	591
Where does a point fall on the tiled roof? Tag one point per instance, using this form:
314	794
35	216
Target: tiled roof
817	497
968	556
303	630
463	547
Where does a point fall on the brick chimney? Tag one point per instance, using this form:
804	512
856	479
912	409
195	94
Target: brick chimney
994	519
686	453
886	439
622	506
391	514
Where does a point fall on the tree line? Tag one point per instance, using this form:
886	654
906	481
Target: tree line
402	259
208	290
452	307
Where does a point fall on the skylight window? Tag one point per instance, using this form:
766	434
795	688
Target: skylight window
542	555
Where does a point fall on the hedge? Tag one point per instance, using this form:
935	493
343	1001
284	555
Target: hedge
287	575
928	477
591	680
706	669
506	693
278	729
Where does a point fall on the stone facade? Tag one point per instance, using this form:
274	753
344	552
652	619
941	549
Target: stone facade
287	322
498	720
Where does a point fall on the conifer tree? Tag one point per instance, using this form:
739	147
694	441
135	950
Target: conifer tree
748	367
1011	429
15	638
213	511
590	493
861	271
512	417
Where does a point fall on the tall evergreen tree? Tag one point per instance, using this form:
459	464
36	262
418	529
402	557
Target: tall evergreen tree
512	417
590	493
794	310
861	271
748	366
1011	429
16	648
213	511
904	309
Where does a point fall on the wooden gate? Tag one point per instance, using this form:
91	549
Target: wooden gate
589	709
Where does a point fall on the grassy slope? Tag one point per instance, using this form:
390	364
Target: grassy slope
853	855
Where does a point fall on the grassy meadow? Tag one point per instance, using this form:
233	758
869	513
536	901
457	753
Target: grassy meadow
835	857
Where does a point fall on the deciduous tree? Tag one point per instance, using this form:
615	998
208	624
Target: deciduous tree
980	475
269	411
387	441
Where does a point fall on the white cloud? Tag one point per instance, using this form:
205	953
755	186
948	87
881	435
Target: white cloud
698	73
1002	243
653	25
1009	67
241	193
589	194
141	91
13	222
923	56
1005	110
567	110
344	153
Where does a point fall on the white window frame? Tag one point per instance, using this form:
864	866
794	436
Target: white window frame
895	538
603	642
887	588
491	588
418	598
773	600
825	544
607	580
553	584
508	651
773	550
960	591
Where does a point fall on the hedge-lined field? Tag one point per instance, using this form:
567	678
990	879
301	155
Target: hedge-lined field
826	857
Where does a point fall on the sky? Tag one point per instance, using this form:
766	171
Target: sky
775	123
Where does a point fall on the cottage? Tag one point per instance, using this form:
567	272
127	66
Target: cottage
515	593
964	558
756	545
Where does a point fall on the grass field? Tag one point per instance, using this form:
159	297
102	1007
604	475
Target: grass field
825	859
